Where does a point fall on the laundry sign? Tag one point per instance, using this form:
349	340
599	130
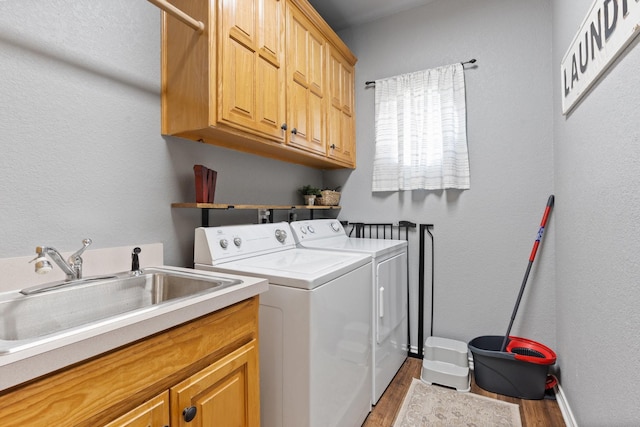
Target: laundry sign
608	28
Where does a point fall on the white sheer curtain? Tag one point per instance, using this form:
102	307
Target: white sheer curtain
421	131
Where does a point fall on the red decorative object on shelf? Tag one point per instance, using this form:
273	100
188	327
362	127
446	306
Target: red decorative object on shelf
205	183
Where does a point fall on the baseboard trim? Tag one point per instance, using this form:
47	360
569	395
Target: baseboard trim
567	414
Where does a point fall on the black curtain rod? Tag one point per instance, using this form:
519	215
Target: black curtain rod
471	61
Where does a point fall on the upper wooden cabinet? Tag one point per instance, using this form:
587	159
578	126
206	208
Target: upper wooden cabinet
341	130
251	66
306	83
259	79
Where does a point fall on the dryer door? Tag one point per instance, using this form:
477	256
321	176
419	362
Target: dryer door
391	296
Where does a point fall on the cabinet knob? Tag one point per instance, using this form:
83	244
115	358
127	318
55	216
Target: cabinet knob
333	146
294	131
189	413
284	126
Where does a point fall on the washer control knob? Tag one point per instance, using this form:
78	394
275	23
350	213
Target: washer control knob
335	226
311	229
281	235
303	230
224	243
237	241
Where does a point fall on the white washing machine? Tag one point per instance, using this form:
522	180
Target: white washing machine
315	331
389	289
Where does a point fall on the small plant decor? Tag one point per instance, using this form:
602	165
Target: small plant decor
309	190
309	193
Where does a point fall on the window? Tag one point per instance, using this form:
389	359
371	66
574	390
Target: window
420	128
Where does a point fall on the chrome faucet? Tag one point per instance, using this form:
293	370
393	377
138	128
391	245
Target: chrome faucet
72	268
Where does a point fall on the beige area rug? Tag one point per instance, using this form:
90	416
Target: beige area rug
432	405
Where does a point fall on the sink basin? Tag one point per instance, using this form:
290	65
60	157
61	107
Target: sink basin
28	318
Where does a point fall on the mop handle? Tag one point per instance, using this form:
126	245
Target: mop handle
543	223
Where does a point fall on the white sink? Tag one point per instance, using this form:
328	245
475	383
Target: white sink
25	319
48	330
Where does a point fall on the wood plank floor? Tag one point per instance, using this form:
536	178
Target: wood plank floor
543	413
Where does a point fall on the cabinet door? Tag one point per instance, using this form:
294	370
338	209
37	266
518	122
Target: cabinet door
227	393
306	117
153	413
251	66
340	126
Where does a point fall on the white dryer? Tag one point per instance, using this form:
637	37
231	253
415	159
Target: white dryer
315	349
389	291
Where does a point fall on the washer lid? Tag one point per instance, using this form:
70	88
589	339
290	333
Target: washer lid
299	268
329	234
374	247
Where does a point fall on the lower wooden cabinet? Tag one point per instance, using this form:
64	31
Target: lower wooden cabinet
154	413
206	369
224	394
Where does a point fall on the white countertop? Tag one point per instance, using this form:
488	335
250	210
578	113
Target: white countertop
72	347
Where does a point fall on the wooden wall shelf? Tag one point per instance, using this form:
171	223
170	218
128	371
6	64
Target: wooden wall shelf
206	207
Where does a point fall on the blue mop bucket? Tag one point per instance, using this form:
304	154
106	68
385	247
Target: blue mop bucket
520	371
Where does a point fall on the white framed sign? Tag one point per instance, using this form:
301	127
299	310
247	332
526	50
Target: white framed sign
610	26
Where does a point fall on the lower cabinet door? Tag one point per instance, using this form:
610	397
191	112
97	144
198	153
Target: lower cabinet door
152	413
226	393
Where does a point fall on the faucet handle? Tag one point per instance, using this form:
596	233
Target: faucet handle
85	244
75	260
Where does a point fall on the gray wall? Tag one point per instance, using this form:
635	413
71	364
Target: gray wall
597	153
82	156
81	151
483	236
